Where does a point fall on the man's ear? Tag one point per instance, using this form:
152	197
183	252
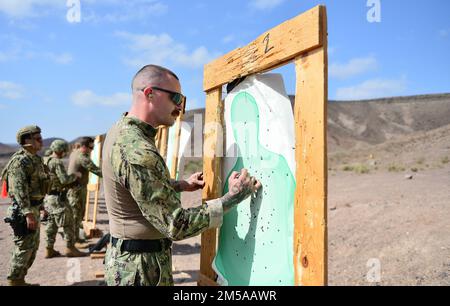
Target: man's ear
148	92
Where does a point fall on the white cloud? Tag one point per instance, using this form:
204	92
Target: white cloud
163	50
20	49
265	4
117	10
122	11
86	98
353	67
228	39
28	8
63	58
372	89
11	91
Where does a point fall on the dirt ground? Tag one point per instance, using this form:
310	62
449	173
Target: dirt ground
378	222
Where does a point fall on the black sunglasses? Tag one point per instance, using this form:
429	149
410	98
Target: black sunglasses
176	97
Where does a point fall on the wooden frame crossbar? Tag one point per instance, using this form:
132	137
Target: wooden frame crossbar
303	40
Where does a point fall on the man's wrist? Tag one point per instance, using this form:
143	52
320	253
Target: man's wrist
179	186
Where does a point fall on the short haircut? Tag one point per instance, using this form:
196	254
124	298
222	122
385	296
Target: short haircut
86	141
150	74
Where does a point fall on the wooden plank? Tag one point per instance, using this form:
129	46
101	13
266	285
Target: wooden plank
90	230
99	274
158	139
205	281
212	171
100	255
176	148
273	48
94	217
164	141
310	221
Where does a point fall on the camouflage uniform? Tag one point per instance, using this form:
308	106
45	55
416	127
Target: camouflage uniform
132	162
28	181
80	164
56	204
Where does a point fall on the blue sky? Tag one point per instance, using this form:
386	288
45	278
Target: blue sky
73	78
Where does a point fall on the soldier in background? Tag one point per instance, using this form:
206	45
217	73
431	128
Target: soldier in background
81	164
48	152
57	205
27	180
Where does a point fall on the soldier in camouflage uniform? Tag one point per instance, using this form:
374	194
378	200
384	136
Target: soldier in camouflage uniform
48	152
27	181
60	213
81	164
145	214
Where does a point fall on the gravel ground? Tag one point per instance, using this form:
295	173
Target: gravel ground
383	230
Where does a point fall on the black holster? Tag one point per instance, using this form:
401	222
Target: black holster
18	222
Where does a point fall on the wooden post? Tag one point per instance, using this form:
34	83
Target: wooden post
176	148
212	172
310	234
94	218
163	142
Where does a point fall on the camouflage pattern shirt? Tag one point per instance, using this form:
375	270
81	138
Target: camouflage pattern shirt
141	202
59	179
82	164
27	179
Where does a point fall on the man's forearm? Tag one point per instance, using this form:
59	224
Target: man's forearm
177	185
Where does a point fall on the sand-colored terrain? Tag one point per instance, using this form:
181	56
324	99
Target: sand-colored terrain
388	198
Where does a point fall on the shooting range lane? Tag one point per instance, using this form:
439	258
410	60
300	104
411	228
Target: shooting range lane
256	238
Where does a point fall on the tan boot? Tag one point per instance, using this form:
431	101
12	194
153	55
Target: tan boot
50	253
74	252
80	245
19	282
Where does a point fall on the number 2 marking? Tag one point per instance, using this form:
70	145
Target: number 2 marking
266	39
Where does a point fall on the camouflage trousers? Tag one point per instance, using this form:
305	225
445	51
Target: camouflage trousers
137	269
60	215
77	202
24	251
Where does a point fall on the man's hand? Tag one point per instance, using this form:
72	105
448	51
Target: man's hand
194	182
44	215
31	222
240	186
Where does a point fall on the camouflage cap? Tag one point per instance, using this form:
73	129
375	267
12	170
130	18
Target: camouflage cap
59	145
28	130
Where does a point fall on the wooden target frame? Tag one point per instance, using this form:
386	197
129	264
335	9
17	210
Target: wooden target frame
303	40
